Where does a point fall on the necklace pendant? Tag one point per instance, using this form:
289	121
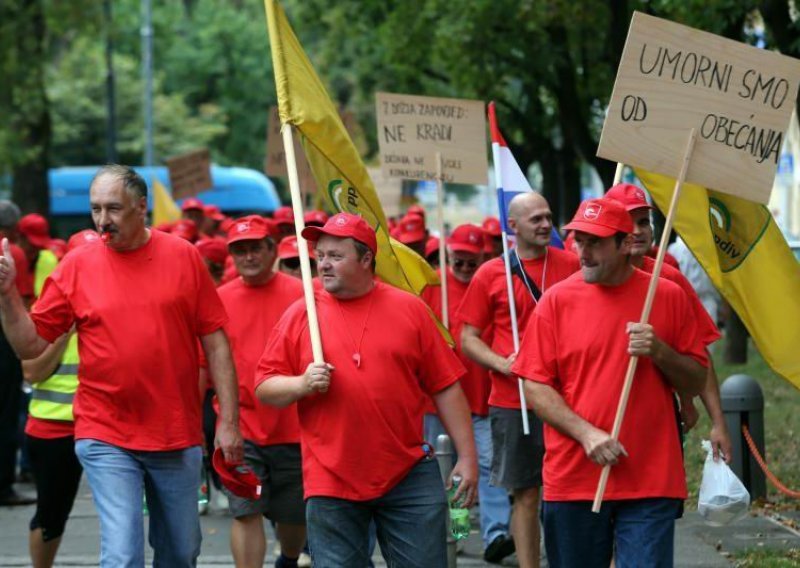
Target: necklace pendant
357	360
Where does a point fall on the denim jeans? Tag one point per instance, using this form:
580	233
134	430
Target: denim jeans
410	522
495	509
118	478
639	532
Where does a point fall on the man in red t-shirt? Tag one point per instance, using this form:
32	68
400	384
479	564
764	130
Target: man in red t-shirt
255	302
11	370
139	300
517	459
574	357
364	456
465	253
635	202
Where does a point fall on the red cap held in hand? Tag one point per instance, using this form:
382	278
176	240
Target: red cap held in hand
238	478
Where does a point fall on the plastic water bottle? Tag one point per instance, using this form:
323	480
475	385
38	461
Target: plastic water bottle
459	515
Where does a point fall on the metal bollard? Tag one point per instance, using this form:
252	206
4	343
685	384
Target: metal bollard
743	405
444	455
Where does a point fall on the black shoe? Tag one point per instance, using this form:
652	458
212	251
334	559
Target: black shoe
498	549
14	499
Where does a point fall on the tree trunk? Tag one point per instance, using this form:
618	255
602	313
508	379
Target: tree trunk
30	115
736	341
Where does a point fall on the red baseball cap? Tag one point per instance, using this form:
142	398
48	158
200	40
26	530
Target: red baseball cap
318	218
252	227
431	246
165	227
288	248
213	249
631	196
601	217
283	215
58	247
238	478
345	225
411	229
82	238
491	225
213	212
467	238
416	210
185	229
192	203
36	229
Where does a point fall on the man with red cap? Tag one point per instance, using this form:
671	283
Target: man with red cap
465	253
633	199
214	251
574	358
213	220
140	300
289	258
412	233
517	458
494	234
194	210
364	456
255	302
283	217
34	239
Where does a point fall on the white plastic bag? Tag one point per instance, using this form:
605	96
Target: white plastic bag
723	497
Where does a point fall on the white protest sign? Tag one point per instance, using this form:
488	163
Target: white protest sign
411	129
738	98
190	173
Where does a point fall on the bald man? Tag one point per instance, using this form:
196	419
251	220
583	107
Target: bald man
517	459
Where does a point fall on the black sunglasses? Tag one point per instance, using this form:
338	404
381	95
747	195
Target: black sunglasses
294	263
459	263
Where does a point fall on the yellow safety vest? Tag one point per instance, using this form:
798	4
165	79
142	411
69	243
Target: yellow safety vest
45	265
52	399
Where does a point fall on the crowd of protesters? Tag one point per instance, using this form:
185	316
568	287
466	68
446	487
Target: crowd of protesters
162	356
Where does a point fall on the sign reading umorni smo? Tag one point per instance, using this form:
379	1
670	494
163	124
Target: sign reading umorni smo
738	98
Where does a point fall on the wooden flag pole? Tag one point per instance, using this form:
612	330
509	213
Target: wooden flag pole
648	304
302	244
442	240
618	173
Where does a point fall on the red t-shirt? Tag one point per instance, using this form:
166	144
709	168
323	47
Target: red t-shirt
485	305
707	329
576	343
364	435
138	316
668	258
48	429
475	383
253	312
24	279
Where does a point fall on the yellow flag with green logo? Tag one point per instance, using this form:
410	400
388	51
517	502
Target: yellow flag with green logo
340	174
165	209
744	253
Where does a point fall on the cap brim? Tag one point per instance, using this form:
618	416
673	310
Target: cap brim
408	238
463	247
630	208
252	236
595	229
39	241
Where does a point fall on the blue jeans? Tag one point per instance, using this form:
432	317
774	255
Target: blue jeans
639	532
495	509
410	522
118	478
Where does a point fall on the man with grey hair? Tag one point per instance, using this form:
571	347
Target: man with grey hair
142	302
11	370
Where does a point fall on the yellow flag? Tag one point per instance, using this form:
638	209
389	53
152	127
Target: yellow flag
744	253
341	176
164	208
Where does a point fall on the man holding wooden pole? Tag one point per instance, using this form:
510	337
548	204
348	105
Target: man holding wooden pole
574	355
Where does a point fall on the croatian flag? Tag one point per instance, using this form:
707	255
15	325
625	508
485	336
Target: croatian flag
509	178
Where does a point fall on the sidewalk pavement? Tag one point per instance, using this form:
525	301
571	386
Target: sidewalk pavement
697	545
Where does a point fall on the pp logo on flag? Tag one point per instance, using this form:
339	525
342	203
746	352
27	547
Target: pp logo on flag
592	211
736	230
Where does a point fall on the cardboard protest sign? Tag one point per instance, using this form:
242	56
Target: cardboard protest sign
738	98
275	162
190	173
412	129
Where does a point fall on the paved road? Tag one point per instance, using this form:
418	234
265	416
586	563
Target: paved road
696	543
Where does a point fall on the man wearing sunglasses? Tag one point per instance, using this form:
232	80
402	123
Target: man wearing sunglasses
289	258
517	458
465	253
255	301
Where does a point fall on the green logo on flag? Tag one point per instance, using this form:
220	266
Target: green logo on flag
736	228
